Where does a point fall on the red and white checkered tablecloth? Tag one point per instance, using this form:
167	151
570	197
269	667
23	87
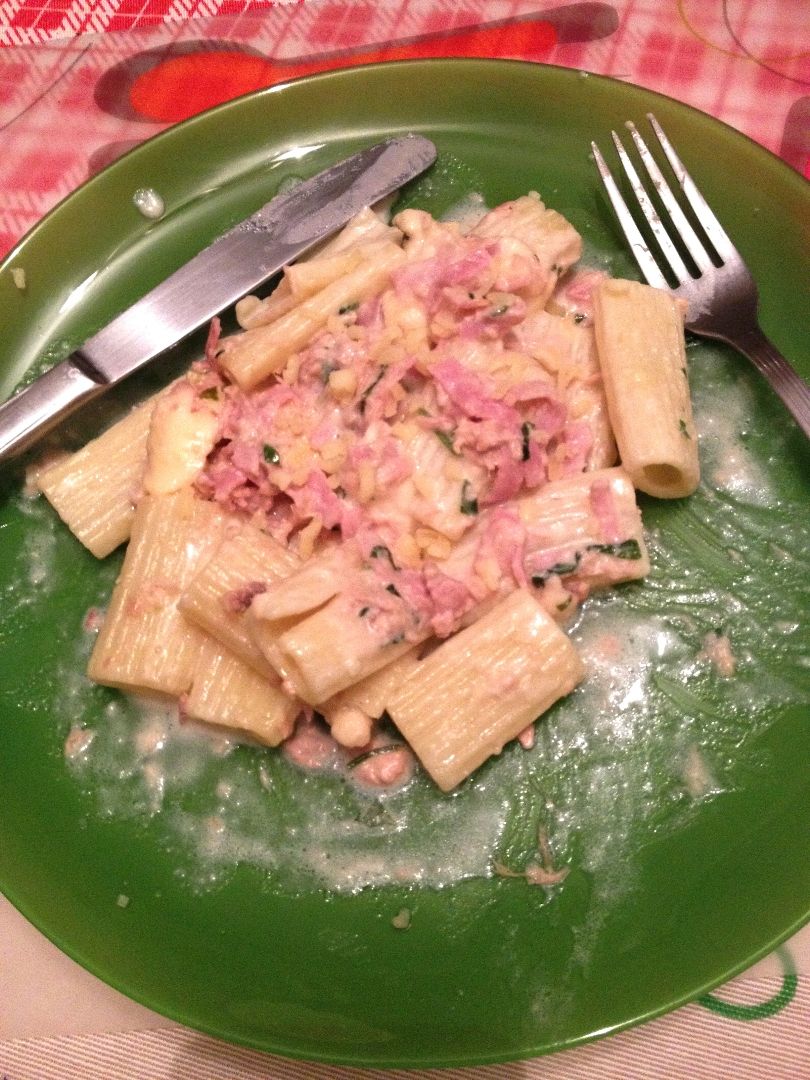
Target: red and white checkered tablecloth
63	116
739	60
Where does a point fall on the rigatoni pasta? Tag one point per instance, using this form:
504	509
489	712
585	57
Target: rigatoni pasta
388	494
639	335
454	723
145	643
216	598
96	489
251	357
228	693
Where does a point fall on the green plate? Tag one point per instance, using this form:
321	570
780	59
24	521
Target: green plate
676	796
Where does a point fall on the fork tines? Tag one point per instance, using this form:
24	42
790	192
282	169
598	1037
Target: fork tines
713	230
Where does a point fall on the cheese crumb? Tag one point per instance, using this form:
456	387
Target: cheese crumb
343	383
402	920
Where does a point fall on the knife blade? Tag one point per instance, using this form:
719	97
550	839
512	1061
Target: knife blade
229	268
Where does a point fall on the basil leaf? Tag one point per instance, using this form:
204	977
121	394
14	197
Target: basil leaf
526	431
361	404
446	439
355	761
380	551
469	504
628	549
559	569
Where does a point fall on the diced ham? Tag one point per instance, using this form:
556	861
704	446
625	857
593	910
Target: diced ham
383	764
212	340
508	477
311	746
504	539
469	393
574	294
572	449
543	407
316	498
451	600
238	600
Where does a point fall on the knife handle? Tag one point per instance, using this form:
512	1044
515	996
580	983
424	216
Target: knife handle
39	407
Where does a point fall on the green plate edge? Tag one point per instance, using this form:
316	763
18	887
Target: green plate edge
336	955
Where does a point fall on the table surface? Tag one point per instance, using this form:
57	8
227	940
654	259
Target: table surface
741	61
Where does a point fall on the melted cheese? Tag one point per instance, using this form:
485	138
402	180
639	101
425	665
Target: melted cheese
183	432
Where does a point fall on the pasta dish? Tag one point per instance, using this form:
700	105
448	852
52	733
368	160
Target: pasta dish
390	491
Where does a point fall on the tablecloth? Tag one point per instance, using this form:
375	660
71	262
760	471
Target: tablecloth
67	108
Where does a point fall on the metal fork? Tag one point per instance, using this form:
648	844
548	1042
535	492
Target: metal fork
722	299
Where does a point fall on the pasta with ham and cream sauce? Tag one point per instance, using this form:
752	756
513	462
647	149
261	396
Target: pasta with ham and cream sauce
389	492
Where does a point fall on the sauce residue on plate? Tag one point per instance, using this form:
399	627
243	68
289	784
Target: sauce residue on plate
654	731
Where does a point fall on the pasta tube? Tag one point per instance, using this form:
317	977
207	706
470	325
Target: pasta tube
639	336
364	228
94	491
588	525
481	688
145	642
329	650
350	714
554	242
215	599
226	692
253	355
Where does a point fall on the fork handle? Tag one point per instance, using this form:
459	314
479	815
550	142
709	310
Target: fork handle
784	378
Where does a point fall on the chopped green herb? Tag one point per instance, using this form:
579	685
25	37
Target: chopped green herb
271	454
580	317
526	430
211	394
396	639
363	612
422	412
628	549
349	307
326	370
446	439
495	312
559	569
392	589
683	429
361	404
380	551
355	761
469	504
565	604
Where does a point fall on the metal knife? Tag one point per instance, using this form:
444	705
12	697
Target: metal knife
233	265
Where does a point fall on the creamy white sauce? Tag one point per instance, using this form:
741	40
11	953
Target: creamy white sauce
593	780
467	212
141	761
726	463
148	202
